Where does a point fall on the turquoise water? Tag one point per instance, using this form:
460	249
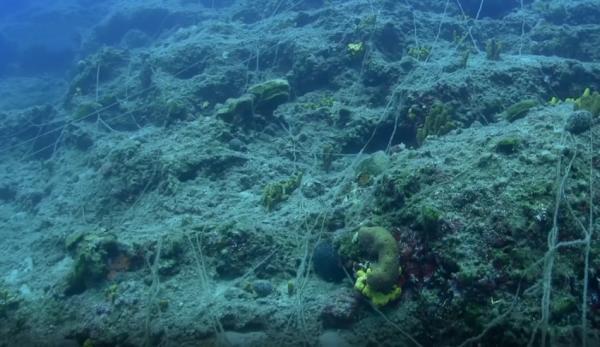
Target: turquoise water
299	173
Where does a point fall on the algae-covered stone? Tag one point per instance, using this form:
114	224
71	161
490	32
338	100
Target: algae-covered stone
493	49
371	167
374	165
508	145
91	253
262	99
236	110
589	101
276	192
430	219
8	301
379	242
101	67
438	121
579	121
270	94
519	110
87	110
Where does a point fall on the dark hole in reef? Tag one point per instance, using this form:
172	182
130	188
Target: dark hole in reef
404	133
492	8
189	173
387	40
7	193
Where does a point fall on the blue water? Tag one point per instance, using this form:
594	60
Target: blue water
198	172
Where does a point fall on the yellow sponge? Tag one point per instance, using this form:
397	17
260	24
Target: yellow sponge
377	298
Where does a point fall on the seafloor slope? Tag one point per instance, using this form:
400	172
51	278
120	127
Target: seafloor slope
208	171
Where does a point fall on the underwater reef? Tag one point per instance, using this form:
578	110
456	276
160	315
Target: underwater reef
300	173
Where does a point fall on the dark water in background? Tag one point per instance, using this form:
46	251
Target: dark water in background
8	7
43	37
47	39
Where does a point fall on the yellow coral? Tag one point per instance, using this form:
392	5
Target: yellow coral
554	101
356	48
587	93
580	100
377	298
